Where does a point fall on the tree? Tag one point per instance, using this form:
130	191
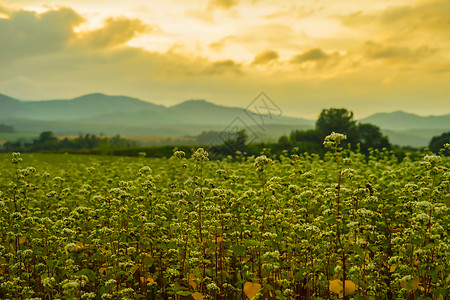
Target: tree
337	120
305	136
370	136
46	137
46	141
238	142
437	142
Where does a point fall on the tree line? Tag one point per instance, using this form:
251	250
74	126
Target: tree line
362	137
47	140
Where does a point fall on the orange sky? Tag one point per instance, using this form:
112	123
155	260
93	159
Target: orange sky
382	56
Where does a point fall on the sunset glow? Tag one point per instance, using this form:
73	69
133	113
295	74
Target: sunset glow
383	56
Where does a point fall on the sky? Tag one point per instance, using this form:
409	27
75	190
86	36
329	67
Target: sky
367	56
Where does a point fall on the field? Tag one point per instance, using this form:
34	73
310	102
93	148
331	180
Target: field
290	227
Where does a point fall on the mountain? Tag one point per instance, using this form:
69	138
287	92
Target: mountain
399	120
99	113
413	137
8	106
406	129
85	106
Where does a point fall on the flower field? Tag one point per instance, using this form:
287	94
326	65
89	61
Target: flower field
290	227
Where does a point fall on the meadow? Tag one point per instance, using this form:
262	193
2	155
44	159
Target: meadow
295	226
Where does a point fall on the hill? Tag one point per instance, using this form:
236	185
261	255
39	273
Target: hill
99	113
400	120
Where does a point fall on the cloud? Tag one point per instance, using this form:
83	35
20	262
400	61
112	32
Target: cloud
4	11
202	15
28	33
221	67
396	54
220	45
441	67
264	36
116	31
222	4
206	14
265	57
430	16
294	11
315	54
46	58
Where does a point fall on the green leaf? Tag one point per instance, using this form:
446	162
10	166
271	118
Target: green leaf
251	243
148	261
429	246
89	273
299	275
184	293
238	250
133	269
358	250
330	220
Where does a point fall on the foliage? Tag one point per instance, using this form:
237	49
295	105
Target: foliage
47	140
186	227
437	142
336	119
367	136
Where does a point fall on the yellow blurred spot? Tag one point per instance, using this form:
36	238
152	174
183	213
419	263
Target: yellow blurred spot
251	289
337	287
393	268
149	280
197	296
22	240
191	281
413	284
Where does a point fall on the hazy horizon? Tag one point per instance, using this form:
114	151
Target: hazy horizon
285	114
382	56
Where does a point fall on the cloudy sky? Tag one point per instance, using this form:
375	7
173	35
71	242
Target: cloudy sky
368	56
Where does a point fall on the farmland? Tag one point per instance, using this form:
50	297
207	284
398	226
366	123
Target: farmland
295	226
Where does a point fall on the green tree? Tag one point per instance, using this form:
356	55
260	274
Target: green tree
238	142
46	136
337	120
305	136
437	142
370	136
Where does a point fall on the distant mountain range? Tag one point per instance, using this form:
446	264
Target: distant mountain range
98	113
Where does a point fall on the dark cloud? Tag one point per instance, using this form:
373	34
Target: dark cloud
116	31
392	54
223	66
265	57
432	16
29	33
223	4
315	54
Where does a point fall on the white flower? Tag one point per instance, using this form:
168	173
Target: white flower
333	140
